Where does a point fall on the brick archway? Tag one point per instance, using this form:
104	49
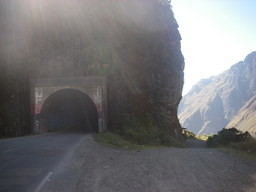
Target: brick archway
93	87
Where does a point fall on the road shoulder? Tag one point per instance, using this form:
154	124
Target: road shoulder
96	168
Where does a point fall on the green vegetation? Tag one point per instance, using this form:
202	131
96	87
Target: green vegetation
114	140
203	137
226	137
239	153
246	146
139	134
146	132
188	134
233	139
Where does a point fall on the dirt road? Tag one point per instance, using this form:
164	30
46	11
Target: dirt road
160	170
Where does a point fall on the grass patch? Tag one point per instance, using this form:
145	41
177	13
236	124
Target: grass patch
146	132
202	137
242	154
114	140
248	147
140	134
245	149
150	136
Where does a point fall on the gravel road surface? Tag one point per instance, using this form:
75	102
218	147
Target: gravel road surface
96	168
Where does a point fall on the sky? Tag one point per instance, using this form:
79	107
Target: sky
215	35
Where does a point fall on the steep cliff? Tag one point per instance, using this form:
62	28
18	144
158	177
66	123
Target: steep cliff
213	102
135	44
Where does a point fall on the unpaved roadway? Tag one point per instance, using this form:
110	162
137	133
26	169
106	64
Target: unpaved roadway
96	168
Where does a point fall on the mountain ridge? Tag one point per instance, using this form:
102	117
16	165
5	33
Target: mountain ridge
212	103
246	118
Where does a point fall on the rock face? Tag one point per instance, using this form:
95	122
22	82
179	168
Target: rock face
213	102
246	118
135	44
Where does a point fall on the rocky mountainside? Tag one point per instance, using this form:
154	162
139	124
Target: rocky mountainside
245	120
214	102
134	44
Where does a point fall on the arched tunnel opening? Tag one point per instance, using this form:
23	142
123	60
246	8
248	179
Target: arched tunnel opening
69	110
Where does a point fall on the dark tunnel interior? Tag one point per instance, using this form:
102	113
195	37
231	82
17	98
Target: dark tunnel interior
69	110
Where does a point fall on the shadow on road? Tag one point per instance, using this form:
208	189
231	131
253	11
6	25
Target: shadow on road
195	143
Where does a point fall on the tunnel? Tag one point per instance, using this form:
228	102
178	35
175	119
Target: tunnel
69	110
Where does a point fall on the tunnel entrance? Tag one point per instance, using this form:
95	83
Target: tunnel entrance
69	104
69	110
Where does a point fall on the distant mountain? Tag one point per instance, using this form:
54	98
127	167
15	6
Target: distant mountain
214	102
245	120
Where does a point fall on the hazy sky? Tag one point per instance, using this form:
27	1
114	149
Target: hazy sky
215	35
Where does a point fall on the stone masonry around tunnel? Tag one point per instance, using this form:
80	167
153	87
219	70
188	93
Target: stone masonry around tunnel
93	87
